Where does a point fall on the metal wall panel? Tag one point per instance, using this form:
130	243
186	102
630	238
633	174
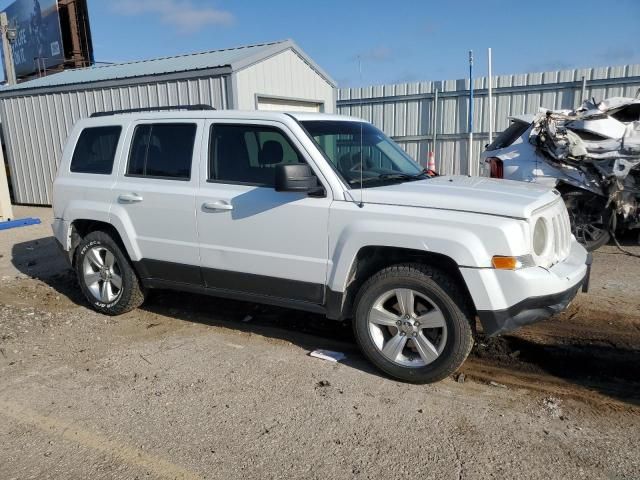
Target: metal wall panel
36	127
405	111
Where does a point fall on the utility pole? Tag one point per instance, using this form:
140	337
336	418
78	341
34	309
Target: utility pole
6	212
8	36
490	95
435	122
469	168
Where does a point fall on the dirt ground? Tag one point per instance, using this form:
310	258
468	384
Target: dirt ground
198	387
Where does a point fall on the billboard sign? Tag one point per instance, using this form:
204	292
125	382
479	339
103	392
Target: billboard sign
38	43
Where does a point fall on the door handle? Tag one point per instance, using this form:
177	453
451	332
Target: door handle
130	198
217	206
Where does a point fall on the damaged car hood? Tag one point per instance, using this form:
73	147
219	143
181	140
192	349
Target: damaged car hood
468	194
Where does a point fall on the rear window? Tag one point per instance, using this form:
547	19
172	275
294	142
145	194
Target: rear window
510	135
626	114
95	150
163	150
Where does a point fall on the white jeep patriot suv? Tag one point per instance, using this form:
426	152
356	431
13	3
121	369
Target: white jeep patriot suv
316	212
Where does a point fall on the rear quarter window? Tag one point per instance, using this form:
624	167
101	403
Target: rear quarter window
96	150
510	135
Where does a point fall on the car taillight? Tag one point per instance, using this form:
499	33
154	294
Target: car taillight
495	167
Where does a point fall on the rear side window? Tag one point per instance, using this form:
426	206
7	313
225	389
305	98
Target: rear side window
248	154
162	150
95	150
510	135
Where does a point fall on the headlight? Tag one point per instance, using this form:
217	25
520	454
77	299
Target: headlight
540	237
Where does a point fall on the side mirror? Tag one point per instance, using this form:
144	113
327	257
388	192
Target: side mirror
295	178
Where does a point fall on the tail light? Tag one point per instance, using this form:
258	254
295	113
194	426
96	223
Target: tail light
495	167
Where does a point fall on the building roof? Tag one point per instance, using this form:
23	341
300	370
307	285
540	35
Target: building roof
232	58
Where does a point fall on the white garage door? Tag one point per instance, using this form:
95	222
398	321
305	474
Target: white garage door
286	105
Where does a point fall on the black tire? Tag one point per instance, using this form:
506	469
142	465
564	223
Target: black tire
130	295
590	217
445	294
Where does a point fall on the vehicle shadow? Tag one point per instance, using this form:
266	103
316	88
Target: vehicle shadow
306	330
40	259
611	370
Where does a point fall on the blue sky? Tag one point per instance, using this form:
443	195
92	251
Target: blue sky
397	41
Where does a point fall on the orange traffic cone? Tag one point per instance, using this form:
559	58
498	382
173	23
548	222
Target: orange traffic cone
431	164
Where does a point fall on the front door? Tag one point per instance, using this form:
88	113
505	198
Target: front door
253	239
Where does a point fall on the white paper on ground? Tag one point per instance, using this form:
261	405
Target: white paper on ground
328	355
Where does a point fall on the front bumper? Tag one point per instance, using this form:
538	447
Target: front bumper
507	300
530	310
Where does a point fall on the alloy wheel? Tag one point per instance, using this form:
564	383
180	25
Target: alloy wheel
407	327
102	275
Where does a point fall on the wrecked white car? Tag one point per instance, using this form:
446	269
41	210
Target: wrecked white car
591	155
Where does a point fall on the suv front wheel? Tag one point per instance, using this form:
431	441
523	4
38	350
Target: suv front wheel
412	322
106	277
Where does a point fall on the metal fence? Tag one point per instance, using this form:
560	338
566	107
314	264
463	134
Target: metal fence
410	114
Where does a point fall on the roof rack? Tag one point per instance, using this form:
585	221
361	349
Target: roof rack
154	109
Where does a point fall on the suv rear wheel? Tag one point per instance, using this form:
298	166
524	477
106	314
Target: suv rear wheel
106	276
412	322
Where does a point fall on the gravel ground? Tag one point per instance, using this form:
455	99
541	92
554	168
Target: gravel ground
186	387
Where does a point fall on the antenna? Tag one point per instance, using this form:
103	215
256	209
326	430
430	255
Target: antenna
470	128
361	204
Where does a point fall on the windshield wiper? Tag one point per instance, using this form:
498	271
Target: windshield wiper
403	176
392	176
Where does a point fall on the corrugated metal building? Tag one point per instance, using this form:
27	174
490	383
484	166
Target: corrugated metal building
407	111
38	115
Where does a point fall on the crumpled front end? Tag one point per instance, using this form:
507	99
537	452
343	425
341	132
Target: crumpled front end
603	142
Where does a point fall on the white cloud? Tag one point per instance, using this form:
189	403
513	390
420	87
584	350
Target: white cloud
184	15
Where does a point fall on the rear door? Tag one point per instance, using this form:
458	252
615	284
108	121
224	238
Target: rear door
88	172
253	239
154	198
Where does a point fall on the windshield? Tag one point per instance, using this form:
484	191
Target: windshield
350	145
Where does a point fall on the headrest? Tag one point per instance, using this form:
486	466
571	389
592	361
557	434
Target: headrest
271	153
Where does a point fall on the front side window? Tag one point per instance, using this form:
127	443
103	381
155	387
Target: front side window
162	150
358	150
96	150
248	154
